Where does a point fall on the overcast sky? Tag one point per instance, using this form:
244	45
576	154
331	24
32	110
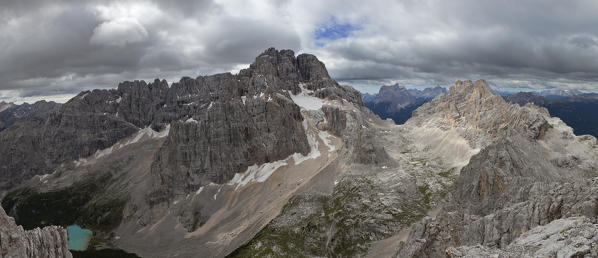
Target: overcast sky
53	49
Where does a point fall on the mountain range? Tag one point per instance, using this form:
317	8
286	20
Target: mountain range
397	102
280	160
11	113
578	111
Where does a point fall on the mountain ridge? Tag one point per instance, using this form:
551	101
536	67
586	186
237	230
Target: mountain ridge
302	167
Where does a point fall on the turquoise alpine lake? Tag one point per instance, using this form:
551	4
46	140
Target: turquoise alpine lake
78	237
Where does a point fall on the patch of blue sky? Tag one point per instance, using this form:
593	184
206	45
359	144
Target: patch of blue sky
333	30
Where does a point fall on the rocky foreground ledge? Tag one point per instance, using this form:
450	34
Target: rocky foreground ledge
48	242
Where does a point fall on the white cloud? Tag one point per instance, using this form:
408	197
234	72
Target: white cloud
119	32
99	43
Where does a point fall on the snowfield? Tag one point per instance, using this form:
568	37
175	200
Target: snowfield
304	100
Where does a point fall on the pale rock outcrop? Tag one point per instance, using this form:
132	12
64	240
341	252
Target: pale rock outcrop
570	237
530	172
47	242
479	114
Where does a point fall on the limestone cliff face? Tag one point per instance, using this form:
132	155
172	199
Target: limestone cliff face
530	171
15	242
240	120
571	237
11	113
480	114
255	104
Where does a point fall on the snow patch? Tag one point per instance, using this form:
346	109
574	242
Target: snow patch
80	162
191	120
138	136
216	195
199	191
325	136
162	133
256	173
313	144
43	177
306	101
149	132
104	152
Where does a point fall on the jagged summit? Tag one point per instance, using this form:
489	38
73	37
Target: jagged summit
224	150
481	113
427	93
395	96
5	105
523	98
252	105
284	64
480	87
522	177
280	159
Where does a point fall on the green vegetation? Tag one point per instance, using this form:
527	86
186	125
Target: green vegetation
76	204
424	191
95	242
344	225
107	253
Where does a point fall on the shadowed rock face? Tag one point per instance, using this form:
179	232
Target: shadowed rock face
251	120
398	103
242	120
427	93
523	98
37	146
48	242
11	113
394	98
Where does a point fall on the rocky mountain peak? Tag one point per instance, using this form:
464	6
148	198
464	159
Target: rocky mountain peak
523	98
478	89
290	70
4	105
11	113
396	91
475	108
385	89
393	98
427	93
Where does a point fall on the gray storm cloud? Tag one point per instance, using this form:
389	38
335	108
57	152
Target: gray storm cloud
63	47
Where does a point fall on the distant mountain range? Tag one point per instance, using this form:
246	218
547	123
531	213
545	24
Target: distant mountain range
280	160
397	102
577	109
11	113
